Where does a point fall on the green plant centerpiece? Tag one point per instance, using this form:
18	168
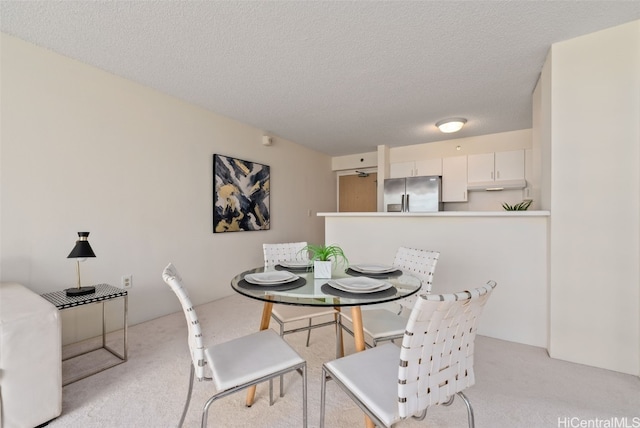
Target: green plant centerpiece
323	257
522	206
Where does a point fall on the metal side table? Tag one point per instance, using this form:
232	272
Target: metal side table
103	293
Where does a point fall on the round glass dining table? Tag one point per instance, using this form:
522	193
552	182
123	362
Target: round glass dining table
309	291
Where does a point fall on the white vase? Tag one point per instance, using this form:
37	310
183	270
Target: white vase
322	269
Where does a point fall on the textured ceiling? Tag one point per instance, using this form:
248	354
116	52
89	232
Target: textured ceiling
340	77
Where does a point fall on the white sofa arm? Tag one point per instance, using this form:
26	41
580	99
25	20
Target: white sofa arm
30	358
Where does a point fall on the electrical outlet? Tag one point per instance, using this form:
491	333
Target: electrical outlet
127	281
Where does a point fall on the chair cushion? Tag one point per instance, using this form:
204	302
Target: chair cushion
379	323
372	376
382	323
289	313
248	358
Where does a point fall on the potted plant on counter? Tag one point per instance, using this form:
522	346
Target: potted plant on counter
522	206
323	257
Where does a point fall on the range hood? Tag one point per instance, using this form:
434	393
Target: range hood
497	185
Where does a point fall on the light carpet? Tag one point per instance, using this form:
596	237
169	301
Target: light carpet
516	385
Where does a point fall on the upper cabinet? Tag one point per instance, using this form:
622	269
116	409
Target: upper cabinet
416	168
480	167
401	169
496	167
510	165
454	179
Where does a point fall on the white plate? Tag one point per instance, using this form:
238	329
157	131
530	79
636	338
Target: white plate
381	285
295	263
371	268
360	283
271	277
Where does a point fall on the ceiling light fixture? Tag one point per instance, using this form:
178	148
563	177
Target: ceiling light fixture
453	124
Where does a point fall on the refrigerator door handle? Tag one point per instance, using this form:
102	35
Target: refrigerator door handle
402	203
407	206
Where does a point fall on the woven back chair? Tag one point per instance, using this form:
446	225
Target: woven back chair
421	263
196	344
275	253
436	357
381	323
434	363
270	357
289	314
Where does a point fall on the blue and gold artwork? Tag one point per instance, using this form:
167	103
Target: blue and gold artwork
241	192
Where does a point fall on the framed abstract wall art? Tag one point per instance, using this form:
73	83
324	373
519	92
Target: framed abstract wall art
241	192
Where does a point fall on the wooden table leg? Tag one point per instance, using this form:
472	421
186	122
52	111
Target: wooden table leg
358	331
266	315
358	334
264	324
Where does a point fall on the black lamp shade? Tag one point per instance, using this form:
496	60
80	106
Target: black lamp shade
82	248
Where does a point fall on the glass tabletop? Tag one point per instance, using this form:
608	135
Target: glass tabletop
309	291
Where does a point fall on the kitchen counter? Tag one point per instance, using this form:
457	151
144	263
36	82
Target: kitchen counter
509	247
443	214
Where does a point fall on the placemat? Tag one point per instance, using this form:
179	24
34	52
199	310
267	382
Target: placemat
278	287
295	269
394	273
389	292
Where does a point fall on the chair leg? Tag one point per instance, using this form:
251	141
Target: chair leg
281	385
186	404
205	411
309	333
339	343
270	392
421	415
472	423
281	376
304	395
449	401
323	391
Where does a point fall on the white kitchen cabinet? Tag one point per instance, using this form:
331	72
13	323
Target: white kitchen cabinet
416	168
401	169
496	166
480	167
510	165
429	166
454	179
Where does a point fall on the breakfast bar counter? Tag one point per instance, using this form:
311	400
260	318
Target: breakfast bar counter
509	247
442	214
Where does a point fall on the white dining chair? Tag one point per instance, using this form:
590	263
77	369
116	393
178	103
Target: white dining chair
289	314
237	364
434	363
286	314
380	323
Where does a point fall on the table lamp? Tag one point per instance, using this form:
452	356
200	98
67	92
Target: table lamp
80	252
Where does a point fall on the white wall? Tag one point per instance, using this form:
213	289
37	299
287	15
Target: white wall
595	199
542	133
82	149
502	141
360	160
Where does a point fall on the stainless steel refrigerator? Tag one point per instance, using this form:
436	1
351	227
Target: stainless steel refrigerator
413	194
